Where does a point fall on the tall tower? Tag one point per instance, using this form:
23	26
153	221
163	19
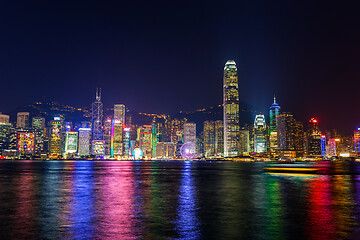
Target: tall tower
273	113
97	117
231	110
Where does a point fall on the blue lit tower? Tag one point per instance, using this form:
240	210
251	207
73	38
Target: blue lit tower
231	110
273	113
97	117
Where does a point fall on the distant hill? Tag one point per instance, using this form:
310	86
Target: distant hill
51	109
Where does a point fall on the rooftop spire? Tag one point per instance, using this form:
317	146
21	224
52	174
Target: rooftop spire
98	94
274	99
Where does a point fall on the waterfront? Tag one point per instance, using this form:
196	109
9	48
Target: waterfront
175	200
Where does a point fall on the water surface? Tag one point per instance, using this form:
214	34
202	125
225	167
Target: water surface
174	200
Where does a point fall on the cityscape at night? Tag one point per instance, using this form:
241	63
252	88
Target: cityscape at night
180	120
64	132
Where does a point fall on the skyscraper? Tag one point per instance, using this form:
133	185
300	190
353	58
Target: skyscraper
116	138
313	139
190	133
209	138
273	113
84	141
259	134
22	120
55	138
231	109
97	117
290	136
119	113
38	125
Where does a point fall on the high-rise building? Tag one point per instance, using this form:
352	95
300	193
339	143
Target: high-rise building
213	138
333	147
231	109
259	134
55	138
190	133
273	113
71	142
119	113
22	120
357	141
4	136
107	135
84	141
116	138
145	138
25	142
127	149
323	146
290	136
313	139
244	137
209	138
219	138
97	118
38	125
4	119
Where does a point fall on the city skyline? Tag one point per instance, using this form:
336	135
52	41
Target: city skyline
159	57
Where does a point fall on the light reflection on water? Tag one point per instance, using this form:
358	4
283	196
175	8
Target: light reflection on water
174	200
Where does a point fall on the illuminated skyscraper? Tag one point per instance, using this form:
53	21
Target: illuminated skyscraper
145	138
313	139
273	113
71	142
209	139
231	109
119	113
244	137
38	125
84	141
357	140
259	134
219	138
323	146
190	133
55	138
290	136
126	141
25	142
116	138
22	120
97	117
4	136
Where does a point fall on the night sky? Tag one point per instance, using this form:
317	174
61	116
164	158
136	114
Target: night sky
163	57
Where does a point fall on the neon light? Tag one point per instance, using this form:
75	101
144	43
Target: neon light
84	129
126	129
137	153
112	139
57	118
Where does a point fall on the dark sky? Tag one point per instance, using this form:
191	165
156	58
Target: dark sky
163	57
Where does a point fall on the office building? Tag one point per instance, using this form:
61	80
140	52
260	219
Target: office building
165	150
55	138
4	119
231	109
119	113
22	120
260	134
273	113
84	141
